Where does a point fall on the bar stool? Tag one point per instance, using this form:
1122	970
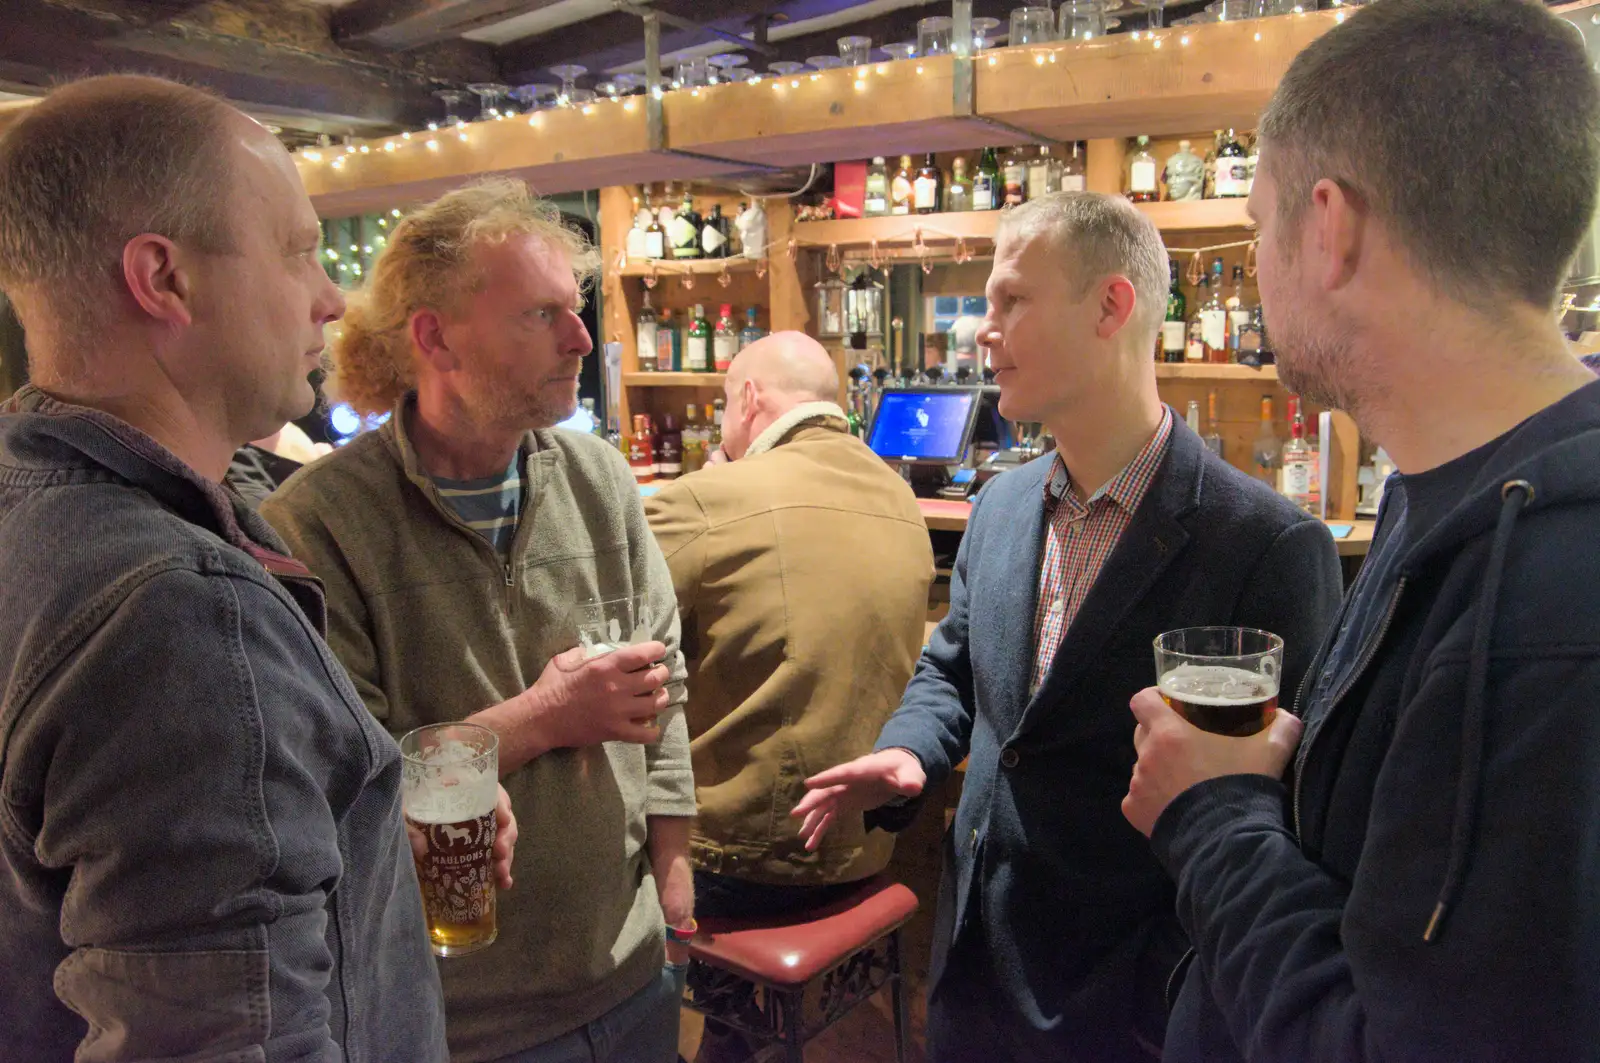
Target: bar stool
753	975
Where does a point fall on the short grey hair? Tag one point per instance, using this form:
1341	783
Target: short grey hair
1470	128
94	164
1095	236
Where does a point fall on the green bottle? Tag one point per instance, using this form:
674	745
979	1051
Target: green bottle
1174	330
697	350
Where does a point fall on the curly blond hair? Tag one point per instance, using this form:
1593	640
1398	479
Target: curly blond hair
429	264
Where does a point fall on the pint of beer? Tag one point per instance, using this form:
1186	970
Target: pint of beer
450	787
1221	679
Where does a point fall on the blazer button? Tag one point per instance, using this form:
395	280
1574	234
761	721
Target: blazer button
1009	757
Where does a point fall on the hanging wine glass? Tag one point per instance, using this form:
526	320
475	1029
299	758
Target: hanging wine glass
724	64
571	95
825	62
901	50
491	95
534	97
452	99
630	84
694	73
981	28
786	68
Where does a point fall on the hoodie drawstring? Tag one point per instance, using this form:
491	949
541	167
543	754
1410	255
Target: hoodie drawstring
1515	496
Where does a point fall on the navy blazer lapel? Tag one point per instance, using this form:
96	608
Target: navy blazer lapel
1001	613
1150	543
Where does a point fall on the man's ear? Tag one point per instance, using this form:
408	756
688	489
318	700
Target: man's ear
428	337
159	278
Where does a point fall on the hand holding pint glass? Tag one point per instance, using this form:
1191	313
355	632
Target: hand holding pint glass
449	790
1221	679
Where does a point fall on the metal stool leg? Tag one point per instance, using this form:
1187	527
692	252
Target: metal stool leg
897	997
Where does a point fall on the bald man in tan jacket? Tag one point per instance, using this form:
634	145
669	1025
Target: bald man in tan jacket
802	568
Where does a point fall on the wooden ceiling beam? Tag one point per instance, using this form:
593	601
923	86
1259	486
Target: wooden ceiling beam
401	25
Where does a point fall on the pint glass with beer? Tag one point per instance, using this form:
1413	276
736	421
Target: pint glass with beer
450	787
1221	679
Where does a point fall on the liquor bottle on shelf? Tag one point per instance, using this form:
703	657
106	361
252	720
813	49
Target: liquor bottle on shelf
1214	319
751	331
1016	177
725	343
646	330
1143	185
1174	330
1301	480
1042	174
655	237
666	211
927	189
694	445
714	234
641	450
1267	451
958	192
1252	157
1210	188
685	231
1232	180
668	449
1213	437
1192	417
697	347
987	191
717	408
1194	344
876	203
1074	178
637	240
669	344
901	191
1239	312
598	423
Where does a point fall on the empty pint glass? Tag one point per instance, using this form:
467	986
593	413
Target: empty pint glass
1221	679
450	786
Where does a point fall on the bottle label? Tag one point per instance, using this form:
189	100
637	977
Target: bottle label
1196	351
695	355
667	352
1038	181
1237	319
1298	477
1074	182
647	345
711	239
682	232
1144	176
876	204
654	245
1233	178
1172	336
926	194
901	193
723	349
1214	329
983	193
636	243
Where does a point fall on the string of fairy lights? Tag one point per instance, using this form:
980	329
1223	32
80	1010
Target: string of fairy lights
437	135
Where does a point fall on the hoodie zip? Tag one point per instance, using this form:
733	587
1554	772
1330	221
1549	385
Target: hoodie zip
1368	651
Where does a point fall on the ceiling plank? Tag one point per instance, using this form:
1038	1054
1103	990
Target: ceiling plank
401	25
255	54
618	39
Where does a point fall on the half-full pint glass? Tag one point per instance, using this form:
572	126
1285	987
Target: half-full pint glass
450	787
1221	679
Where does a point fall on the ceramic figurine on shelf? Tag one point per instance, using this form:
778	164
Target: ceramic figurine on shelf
752	226
1185	174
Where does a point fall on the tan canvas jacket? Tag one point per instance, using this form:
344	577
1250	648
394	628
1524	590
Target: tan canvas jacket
434	626
802	574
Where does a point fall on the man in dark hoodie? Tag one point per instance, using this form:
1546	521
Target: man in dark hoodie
1422	883
201	847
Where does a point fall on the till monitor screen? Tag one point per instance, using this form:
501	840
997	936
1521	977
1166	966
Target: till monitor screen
929	425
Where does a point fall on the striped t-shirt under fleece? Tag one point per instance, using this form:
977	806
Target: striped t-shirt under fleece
489	506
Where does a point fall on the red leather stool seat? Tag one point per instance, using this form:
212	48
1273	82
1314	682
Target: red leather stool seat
793	952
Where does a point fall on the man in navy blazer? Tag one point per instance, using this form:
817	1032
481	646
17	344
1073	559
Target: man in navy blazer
1055	929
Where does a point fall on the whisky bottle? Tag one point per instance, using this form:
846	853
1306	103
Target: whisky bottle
928	187
1174	329
1143	186
901	191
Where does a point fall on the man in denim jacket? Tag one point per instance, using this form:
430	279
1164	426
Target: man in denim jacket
201	847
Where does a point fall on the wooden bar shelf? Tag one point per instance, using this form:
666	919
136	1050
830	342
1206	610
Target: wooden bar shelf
1205	371
666	267
673	380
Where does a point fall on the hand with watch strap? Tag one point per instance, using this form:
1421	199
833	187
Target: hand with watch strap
678	938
